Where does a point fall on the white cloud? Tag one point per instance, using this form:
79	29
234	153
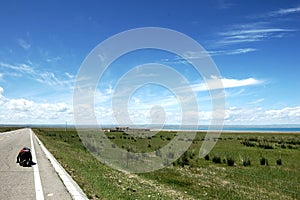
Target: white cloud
45	77
49	78
1	96
288	112
257	101
227	83
285	11
22	68
54	108
256	116
196	55
231	51
19	105
54	59
25	45
70	76
1	91
243	35
23	111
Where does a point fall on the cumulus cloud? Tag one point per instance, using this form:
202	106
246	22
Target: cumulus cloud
287	115
284	113
19	105
24	111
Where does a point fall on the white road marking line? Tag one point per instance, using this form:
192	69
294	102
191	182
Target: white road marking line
73	188
37	179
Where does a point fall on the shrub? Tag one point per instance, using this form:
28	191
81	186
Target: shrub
216	159
279	162
183	160
246	162
283	146
206	157
263	161
191	155
249	144
230	161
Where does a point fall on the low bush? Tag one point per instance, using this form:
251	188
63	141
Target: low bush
246	162
263	161
279	162
206	157
216	159
230	161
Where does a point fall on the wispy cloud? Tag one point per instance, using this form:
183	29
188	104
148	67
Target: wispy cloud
231	51
257	101
25	45
22	68
54	59
198	55
223	4
247	35
227	83
45	77
69	75
285	11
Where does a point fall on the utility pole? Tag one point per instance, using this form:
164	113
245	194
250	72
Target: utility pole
66	126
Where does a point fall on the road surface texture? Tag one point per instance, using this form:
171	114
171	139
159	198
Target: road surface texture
37	182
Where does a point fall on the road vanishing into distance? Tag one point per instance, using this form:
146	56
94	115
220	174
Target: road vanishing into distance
37	182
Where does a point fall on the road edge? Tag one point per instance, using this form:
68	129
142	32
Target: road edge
39	194
72	187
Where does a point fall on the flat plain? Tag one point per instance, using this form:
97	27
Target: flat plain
240	166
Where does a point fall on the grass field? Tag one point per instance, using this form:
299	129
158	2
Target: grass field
5	129
241	166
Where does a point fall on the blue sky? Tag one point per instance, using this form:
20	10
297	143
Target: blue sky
254	44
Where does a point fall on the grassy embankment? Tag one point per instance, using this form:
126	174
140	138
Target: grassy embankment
235	169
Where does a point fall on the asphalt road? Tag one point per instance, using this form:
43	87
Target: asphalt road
36	182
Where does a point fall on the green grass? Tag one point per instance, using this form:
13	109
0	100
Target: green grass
7	128
190	177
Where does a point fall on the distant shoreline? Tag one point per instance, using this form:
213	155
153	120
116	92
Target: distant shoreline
256	129
231	131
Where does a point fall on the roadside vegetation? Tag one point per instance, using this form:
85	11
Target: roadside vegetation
7	128
232	170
